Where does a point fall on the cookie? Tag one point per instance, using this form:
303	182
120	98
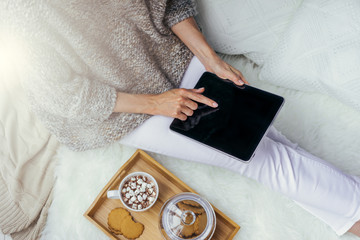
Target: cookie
191	203
114	231
131	229
190	231
115	218
121	222
185	206
202	223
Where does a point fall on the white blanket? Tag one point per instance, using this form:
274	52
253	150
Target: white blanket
26	159
320	51
319	123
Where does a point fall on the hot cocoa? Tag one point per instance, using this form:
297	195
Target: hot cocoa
138	192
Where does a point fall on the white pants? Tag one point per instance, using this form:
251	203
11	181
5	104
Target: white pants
314	184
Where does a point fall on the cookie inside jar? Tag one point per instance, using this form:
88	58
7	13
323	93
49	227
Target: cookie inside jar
187	216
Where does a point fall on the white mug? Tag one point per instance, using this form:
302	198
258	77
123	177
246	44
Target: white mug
116	194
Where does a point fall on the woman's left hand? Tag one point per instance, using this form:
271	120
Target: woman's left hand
189	33
224	70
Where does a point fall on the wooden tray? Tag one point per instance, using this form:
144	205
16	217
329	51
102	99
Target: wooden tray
169	185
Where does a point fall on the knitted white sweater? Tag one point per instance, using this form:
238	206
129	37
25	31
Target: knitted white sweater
79	53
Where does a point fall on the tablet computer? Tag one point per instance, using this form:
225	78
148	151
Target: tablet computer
238	124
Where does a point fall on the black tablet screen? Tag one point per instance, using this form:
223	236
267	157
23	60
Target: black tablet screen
240	121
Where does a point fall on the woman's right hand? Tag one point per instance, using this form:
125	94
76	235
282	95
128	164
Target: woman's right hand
179	103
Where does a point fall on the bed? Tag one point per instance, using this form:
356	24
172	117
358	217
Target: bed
319	123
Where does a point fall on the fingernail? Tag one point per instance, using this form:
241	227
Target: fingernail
215	104
241	82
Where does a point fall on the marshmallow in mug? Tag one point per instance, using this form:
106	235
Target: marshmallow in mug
138	192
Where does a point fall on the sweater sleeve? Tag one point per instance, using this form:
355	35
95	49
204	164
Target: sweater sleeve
60	85
179	10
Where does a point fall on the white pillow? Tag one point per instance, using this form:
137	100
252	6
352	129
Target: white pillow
320	51
252	27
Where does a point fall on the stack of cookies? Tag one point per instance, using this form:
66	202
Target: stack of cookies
121	222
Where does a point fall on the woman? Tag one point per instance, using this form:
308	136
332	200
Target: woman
100	71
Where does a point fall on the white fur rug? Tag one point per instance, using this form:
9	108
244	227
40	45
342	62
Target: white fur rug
320	124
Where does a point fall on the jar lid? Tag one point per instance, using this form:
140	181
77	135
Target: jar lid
187	216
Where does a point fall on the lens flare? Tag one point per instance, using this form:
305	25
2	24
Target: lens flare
12	56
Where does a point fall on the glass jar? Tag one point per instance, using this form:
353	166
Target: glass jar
187	216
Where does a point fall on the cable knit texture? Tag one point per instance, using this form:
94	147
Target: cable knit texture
80	53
